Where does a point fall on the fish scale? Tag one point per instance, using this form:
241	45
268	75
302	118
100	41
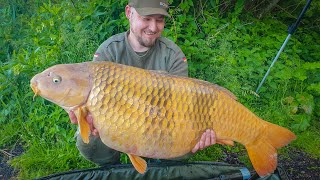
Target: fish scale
157	115
149	113
152	115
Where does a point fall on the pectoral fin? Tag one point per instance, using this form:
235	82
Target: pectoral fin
84	125
138	163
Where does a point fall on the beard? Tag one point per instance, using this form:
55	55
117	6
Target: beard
146	42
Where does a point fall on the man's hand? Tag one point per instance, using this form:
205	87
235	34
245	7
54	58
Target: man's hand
73	117
208	138
89	118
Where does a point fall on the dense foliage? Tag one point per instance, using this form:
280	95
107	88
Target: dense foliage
231	43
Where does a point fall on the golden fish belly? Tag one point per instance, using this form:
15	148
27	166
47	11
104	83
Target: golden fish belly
157	115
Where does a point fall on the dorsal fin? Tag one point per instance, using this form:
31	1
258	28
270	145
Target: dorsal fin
159	71
221	89
226	91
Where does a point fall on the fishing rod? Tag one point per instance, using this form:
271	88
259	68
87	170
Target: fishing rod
291	30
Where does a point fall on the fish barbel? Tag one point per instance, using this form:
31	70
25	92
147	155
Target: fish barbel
157	115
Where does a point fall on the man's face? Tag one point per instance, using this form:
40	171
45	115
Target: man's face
146	29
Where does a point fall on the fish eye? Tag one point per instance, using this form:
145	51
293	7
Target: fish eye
56	79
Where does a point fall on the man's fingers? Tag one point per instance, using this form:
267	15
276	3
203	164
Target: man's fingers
72	117
202	141
196	148
90	120
208	139
213	137
93	130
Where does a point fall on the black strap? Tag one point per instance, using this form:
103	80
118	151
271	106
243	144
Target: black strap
294	26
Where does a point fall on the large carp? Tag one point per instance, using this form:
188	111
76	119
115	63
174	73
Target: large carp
157	115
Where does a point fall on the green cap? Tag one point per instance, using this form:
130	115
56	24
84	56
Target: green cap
150	7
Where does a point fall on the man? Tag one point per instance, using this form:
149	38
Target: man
142	46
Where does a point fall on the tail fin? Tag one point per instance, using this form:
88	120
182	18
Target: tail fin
263	151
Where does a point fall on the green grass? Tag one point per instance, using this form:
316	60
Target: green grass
309	141
232	52
46	158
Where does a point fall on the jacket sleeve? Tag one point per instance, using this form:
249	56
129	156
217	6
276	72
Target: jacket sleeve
102	53
178	63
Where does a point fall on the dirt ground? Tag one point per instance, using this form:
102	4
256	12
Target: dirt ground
298	166
6	171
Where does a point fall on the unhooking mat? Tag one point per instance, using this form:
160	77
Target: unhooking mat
168	170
